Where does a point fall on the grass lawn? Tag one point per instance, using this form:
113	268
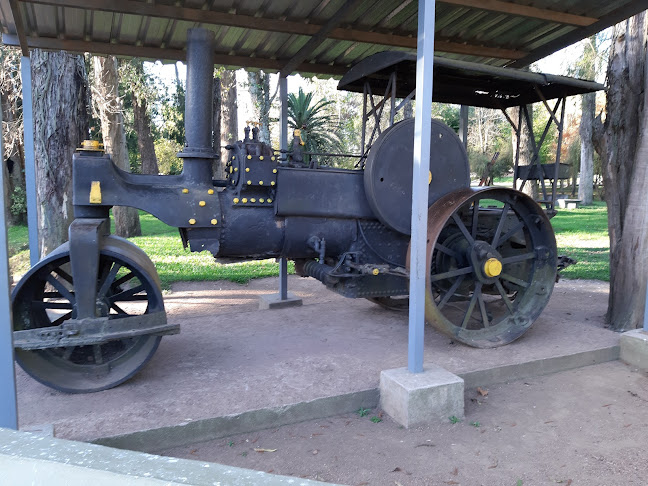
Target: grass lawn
581	234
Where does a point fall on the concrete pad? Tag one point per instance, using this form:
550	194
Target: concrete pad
414	399
634	348
28	459
274	301
232	360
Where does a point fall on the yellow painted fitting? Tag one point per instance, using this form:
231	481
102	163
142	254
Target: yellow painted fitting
231	170
274	171
249	157
269	200
272	158
202	203
192	221
252	200
260	183
185	191
235	200
249	183
95	192
261	200
235	169
492	267
244	200
213	221
375	271
272	183
233	157
210	191
261	157
247	169
430	178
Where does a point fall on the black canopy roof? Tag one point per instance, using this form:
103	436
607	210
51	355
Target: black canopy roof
463	82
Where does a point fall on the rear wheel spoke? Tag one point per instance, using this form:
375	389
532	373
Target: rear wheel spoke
514	280
451	291
500	225
482	309
105	285
126	295
471	305
475	216
446	250
450	274
507	301
62	290
518	258
462	227
510	233
61	319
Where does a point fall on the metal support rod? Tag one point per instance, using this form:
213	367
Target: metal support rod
463	125
422	128
561	125
645	325
8	402
283	145
30	160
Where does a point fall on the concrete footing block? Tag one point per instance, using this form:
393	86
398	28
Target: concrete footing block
634	348
274	301
414	399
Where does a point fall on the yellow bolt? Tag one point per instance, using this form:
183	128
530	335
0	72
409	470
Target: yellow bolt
213	221
430	178
249	183
492	267
252	200
202	203
249	156
272	158
233	157
272	183
244	200
375	271
261	200
274	171
269	200
261	157
192	221
247	169
185	191
260	183
231	170
235	200
210	191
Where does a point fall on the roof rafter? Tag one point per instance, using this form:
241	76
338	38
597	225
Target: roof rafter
20	26
525	11
274	25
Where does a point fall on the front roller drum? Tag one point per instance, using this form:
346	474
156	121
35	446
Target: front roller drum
127	286
491	255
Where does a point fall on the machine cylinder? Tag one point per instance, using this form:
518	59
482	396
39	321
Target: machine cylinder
198	152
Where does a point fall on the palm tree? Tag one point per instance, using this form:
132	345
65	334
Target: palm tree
315	124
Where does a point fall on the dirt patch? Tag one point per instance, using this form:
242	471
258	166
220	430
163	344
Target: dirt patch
580	427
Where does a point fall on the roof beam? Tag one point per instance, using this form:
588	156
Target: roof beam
20	26
273	25
167	54
315	41
525	11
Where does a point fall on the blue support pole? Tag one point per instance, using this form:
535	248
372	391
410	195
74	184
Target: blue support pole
283	145
422	128
30	161
8	403
645	326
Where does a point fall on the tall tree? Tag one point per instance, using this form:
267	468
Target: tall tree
622	142
587	69
229	111
260	92
108	103
526	148
60	105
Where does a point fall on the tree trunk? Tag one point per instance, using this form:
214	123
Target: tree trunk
526	149
142	125
229	125
109	105
586	178
260	92
217	165
59	89
622	143
408	110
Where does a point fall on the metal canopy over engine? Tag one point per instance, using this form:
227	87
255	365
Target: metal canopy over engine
388	171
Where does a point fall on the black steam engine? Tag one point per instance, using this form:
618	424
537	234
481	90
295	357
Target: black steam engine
91	314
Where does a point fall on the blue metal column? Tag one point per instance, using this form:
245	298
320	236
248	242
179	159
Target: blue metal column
645	326
8	407
422	128
283	145
30	161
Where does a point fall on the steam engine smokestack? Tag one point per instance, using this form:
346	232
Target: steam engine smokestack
198	152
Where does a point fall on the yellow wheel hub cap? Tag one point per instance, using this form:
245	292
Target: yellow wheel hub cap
492	267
